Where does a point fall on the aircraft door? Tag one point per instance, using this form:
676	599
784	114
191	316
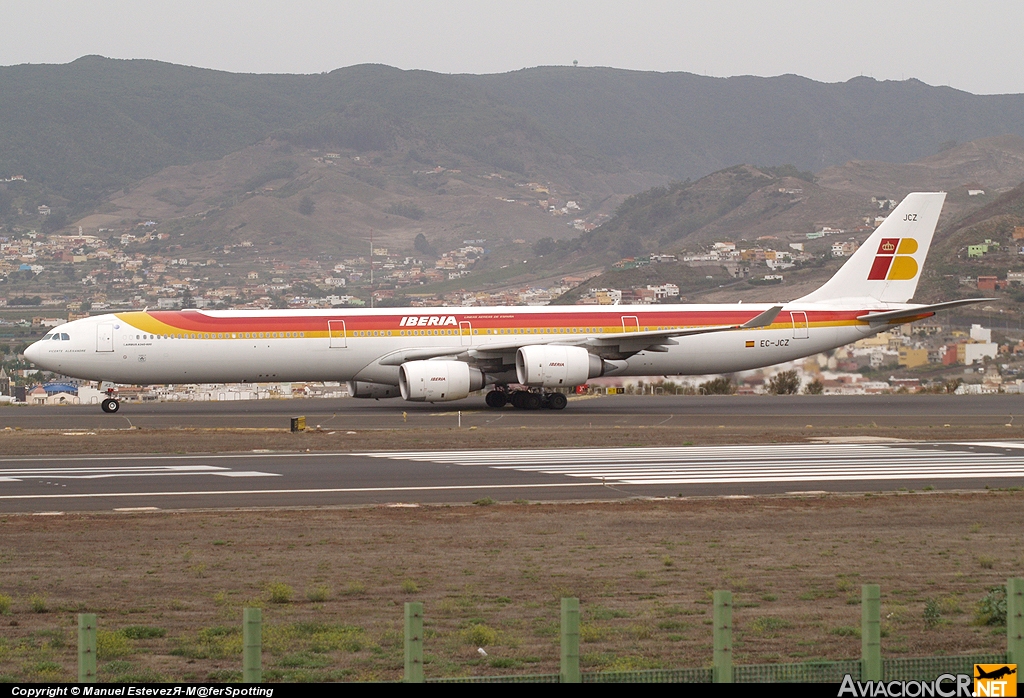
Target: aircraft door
800	329
338	335
104	337
466	330
630	323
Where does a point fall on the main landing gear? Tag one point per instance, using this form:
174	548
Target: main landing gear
110	405
525	399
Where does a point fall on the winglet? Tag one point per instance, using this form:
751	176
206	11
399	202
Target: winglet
763	320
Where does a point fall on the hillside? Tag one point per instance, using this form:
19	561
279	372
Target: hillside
994	164
951	269
256	194
96	125
773	207
746	203
686	125
552	171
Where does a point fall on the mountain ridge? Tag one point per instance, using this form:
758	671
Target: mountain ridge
90	127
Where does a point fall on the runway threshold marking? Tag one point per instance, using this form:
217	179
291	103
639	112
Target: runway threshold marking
743	464
993	444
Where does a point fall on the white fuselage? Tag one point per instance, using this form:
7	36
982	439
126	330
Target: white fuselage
316	345
446	353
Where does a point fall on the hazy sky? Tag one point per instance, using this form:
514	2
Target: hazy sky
974	46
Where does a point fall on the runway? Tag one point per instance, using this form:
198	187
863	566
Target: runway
582	413
133	483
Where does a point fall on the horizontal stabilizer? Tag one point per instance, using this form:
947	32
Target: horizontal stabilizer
918	312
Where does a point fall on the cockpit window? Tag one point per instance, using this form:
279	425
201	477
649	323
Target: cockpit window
56	336
64	336
46	337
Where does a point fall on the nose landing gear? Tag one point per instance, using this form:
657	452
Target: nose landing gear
111	404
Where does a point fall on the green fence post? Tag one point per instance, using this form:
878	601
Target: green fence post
86	648
1015	620
870	633
252	645
413	642
722	617
570	672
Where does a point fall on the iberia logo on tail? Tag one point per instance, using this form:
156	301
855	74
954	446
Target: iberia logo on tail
893	261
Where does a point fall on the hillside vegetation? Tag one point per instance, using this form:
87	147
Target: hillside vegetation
552	170
950	268
96	125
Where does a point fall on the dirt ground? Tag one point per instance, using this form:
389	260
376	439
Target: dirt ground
169	587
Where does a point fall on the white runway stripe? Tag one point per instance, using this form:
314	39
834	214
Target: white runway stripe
324	490
100	473
740	464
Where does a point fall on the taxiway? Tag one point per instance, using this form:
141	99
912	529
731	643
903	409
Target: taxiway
582	413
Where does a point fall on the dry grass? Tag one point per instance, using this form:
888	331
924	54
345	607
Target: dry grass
50	441
169	587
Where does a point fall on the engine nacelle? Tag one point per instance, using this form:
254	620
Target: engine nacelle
438	381
376	391
553	366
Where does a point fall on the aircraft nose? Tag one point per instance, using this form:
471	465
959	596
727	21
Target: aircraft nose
33	352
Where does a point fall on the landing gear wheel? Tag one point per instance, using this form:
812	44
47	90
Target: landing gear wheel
496	398
557	401
518	399
532	401
110	405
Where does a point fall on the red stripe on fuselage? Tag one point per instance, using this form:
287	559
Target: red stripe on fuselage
188	321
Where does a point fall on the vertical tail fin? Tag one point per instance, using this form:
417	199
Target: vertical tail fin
888	265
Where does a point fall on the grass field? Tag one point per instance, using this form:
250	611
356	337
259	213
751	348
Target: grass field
169	587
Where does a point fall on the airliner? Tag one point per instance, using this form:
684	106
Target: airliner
521	354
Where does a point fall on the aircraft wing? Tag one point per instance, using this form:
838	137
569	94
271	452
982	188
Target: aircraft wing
918	312
400	356
762	320
621	342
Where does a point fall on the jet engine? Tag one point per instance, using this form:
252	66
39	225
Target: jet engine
364	389
553	366
438	381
